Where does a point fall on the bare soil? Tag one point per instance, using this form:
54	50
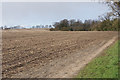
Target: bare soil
50	54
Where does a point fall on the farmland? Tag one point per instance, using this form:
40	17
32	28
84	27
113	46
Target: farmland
38	54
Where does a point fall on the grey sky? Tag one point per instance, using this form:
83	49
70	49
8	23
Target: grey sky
34	13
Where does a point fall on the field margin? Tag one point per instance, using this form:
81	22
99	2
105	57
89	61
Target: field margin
99	59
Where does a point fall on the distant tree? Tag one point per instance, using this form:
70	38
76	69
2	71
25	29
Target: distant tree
33	26
64	23
57	26
71	22
50	26
42	26
37	26
2	27
5	27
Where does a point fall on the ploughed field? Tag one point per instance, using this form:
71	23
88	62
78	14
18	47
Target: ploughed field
35	53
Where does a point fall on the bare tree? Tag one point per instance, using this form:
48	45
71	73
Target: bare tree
115	6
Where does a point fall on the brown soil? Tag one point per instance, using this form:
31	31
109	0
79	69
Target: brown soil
50	54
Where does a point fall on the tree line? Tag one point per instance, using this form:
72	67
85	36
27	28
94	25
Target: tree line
22	27
107	22
88	25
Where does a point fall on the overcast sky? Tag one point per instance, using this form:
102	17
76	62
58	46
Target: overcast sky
46	13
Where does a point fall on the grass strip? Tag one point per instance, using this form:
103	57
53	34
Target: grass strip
104	66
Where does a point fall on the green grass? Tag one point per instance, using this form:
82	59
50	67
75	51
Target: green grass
104	66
